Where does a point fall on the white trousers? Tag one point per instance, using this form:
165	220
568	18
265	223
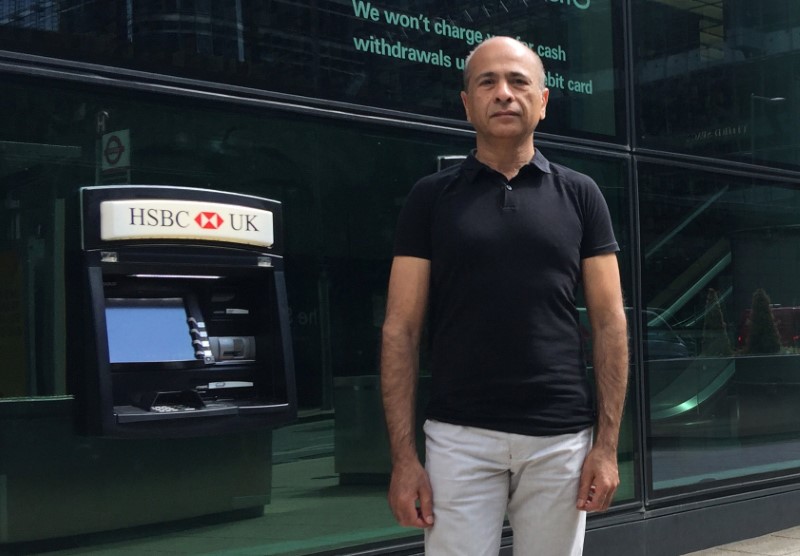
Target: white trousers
478	476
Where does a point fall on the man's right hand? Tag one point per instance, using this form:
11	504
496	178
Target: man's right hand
411	496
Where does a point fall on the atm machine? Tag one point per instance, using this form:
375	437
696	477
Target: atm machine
182	318
179	365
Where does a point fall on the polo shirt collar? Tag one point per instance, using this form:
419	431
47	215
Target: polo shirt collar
472	166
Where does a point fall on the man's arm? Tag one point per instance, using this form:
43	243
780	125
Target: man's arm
405	313
601	282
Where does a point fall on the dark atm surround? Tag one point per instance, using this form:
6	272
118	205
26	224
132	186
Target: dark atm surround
179	337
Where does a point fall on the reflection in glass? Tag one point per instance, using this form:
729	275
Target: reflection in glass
765	121
712	79
720	257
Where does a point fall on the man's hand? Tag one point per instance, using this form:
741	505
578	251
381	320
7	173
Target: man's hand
410	495
599	480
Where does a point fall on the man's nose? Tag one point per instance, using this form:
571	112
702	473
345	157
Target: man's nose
503	91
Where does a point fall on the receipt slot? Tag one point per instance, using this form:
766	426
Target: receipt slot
180	319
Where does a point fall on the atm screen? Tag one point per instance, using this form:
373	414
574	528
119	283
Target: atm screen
148	330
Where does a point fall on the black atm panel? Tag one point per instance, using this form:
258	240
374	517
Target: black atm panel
180	335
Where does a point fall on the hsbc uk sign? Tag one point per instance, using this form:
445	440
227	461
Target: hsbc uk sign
144	219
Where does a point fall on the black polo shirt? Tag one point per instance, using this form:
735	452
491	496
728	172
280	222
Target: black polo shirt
505	265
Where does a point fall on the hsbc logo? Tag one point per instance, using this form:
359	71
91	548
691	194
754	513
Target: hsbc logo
166	218
209	220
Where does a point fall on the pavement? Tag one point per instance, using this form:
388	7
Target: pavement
780	543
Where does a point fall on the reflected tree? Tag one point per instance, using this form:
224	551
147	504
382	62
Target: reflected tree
764	337
715	336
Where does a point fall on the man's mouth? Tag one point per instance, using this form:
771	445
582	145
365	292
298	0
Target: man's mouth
504	113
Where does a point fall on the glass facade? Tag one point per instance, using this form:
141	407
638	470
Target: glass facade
718	252
718	78
336	109
353	52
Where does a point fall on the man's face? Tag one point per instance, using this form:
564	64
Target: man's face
504	98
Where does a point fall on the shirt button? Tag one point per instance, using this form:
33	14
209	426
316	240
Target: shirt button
508	186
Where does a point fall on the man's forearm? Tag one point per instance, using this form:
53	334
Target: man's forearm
399	370
611	375
405	312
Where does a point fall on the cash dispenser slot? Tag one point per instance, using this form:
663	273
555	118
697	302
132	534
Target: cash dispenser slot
181	336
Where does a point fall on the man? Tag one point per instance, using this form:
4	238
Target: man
497	247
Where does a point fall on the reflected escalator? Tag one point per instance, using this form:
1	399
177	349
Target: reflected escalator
689	396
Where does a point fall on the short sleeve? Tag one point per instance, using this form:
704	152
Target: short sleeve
413	233
598	232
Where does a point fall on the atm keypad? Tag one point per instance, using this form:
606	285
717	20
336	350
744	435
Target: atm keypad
170	408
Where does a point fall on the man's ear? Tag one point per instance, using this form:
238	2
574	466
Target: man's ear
545	98
466	106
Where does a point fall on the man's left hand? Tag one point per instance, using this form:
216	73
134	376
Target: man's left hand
599	480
